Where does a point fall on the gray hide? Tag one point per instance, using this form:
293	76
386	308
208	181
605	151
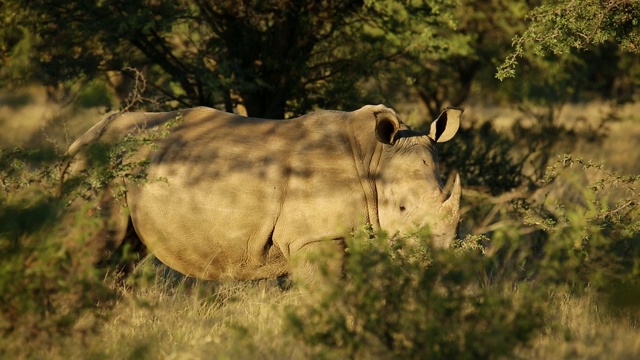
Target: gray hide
243	197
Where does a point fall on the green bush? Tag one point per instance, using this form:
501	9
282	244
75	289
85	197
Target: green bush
49	282
595	239
94	94
47	278
418	302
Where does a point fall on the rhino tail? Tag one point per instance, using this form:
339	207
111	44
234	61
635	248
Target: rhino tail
88	137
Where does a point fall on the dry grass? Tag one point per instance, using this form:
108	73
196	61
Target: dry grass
584	328
619	150
203	321
245	320
250	323
184	320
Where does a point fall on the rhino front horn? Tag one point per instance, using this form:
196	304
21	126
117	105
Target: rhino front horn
452	204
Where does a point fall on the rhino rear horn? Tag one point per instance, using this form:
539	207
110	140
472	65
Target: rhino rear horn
387	125
446	125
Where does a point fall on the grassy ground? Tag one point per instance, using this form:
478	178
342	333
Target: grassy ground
587	330
239	321
245	320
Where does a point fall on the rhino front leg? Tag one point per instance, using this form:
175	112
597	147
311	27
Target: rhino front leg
318	262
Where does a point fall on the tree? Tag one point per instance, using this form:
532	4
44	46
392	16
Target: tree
280	58
275	57
484	29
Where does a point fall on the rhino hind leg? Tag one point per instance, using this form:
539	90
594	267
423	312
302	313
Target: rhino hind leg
119	246
126	256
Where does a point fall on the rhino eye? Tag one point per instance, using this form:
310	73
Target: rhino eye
402	208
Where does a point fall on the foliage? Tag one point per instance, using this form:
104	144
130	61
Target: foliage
106	164
585	237
483	30
485	158
416	302
488	296
427	50
558	238
558	27
516	158
596	240
49	282
47	278
275	58
281	59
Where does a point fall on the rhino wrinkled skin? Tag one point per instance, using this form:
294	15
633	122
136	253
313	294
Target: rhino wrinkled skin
244	197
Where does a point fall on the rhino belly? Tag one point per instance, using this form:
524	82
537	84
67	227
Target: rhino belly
207	233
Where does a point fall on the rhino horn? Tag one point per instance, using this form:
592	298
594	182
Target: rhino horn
452	204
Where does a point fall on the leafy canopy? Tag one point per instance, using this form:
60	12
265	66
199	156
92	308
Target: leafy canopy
276	58
558	27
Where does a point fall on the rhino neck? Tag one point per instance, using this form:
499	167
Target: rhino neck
367	152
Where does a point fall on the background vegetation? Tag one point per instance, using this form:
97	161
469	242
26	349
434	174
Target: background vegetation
547	265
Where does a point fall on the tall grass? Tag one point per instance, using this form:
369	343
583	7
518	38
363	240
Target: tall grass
583	327
223	320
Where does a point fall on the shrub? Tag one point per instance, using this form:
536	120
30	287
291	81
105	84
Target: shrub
418	302
47	278
595	239
49	282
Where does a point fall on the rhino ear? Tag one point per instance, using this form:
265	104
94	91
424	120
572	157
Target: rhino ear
387	125
446	125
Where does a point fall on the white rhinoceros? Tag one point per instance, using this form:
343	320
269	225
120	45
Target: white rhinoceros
241	197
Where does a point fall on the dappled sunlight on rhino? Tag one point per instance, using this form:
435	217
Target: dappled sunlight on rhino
246	198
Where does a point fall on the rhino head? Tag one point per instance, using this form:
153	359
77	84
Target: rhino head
410	191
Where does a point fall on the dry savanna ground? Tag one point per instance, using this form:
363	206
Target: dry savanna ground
173	319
